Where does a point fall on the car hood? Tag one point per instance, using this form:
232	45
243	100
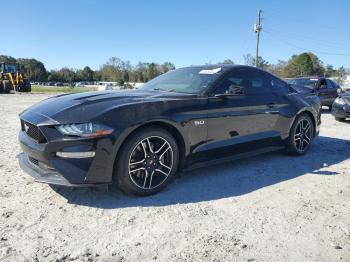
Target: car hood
346	95
84	107
302	89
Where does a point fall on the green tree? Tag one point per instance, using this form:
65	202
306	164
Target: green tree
53	76
250	61
166	66
317	65
109	73
227	61
7	59
97	75
64	75
342	71
85	75
141	71
278	69
126	77
33	69
330	71
303	64
88	74
152	71
67	75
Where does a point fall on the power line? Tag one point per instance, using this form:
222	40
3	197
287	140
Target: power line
293	20
303	48
312	39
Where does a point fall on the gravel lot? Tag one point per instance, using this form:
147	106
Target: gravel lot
268	208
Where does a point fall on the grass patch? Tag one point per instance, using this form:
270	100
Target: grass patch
61	89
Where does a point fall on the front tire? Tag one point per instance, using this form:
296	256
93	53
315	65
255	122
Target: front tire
301	135
147	162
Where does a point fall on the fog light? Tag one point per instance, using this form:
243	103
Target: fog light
75	154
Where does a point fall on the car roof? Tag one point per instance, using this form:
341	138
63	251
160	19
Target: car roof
211	66
307	77
226	67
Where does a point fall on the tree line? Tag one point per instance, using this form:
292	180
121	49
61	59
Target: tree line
114	70
117	70
304	64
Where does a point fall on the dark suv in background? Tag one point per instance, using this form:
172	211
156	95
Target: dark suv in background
326	89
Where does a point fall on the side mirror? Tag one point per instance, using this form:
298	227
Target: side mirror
340	91
235	90
232	91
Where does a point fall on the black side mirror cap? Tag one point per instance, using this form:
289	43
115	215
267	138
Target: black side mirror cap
235	90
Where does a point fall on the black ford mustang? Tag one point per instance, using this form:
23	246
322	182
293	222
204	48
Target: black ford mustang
140	139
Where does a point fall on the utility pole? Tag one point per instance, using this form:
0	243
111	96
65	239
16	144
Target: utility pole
257	29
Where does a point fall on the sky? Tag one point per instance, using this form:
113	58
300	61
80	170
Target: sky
88	32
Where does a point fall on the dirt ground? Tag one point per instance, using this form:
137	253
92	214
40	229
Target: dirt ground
272	207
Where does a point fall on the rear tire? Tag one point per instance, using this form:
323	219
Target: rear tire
301	135
25	86
147	162
6	86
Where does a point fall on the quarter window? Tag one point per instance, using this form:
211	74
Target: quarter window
279	86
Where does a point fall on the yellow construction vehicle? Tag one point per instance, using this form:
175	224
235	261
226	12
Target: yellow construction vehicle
11	78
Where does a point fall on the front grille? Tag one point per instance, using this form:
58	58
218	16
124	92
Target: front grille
33	161
33	132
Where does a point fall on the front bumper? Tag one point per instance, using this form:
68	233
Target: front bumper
341	111
43	175
40	161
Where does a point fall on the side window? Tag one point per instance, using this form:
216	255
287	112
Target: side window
279	86
322	84
335	84
329	84
251	81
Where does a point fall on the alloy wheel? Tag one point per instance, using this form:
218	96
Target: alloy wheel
151	162
303	135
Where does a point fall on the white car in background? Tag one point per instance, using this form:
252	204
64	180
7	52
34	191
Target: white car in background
105	87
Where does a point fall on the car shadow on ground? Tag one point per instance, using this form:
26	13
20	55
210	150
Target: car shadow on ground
222	181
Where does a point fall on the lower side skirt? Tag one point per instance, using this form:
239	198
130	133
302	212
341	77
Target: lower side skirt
233	157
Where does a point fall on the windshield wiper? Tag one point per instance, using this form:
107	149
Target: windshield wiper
161	89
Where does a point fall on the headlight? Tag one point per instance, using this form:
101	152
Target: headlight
85	130
340	101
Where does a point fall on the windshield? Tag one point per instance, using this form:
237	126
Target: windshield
307	82
191	80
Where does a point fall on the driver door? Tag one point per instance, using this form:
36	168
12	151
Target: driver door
242	110
325	92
